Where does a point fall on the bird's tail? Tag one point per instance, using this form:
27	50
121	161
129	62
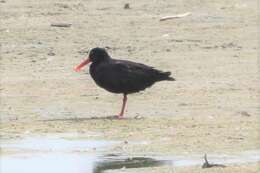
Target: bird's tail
166	76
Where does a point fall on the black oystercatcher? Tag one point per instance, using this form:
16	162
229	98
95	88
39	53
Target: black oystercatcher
121	76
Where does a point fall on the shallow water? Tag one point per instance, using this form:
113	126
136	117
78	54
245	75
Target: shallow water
57	144
60	155
47	163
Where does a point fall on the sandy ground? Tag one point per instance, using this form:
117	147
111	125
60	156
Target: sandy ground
213	107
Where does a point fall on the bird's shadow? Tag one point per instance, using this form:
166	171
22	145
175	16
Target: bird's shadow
112	117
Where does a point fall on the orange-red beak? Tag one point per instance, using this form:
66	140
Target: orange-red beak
78	68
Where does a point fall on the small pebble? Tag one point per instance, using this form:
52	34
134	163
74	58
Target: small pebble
127	6
51	54
138	117
244	113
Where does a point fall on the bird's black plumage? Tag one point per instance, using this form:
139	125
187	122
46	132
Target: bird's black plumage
122	76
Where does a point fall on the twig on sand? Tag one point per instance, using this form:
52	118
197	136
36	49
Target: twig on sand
61	25
206	164
175	16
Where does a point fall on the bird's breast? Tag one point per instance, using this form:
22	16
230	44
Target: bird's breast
104	78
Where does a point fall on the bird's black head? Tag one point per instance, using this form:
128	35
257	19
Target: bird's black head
97	55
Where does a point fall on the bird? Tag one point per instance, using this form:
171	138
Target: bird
121	76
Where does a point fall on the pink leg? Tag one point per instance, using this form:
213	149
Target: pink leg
123	107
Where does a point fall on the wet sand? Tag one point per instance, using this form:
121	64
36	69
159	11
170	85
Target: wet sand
213	107
174	135
70	152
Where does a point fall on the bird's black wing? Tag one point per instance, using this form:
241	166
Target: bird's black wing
129	77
